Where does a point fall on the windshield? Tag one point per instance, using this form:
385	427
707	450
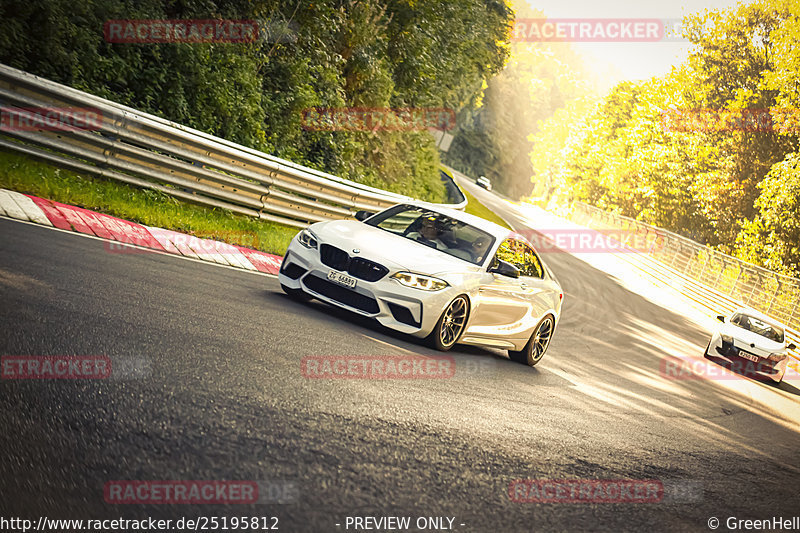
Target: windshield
435	230
756	325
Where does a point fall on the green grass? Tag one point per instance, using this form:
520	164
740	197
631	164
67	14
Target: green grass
152	208
474	207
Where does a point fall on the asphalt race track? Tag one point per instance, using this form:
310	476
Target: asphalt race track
210	388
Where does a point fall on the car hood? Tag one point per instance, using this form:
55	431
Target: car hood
745	339
393	251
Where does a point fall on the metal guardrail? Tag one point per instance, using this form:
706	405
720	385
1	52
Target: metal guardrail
713	279
148	151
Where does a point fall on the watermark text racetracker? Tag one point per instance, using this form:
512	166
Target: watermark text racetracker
378	119
200	492
55	367
202	244
585	491
180	31
611	491
397	367
691	369
780	120
70	367
579	240
378	367
596	30
50	119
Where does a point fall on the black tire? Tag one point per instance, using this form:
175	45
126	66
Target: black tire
537	345
450	325
296	294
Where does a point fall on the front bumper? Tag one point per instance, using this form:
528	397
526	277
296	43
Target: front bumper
408	310
761	370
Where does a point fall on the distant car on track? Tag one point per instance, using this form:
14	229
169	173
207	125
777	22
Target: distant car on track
484	182
431	272
753	342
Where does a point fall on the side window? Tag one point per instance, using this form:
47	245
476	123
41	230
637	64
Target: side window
532	263
522	256
512	252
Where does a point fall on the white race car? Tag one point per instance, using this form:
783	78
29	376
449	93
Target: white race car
431	272
754	344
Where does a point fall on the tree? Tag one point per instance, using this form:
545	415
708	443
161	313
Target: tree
327	53
700	179
772	238
496	134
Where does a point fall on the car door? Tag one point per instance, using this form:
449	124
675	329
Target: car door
503	302
539	291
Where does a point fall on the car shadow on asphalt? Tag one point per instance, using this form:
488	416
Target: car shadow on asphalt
737	369
388	335
612	348
471	362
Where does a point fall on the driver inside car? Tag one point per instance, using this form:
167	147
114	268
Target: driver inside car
429	234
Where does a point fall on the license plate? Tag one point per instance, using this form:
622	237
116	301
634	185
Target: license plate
748	356
342	279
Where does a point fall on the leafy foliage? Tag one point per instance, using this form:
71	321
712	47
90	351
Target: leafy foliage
496	135
328	53
772	238
732	187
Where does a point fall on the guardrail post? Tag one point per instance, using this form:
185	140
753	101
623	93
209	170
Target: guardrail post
703	270
753	291
675	254
628	226
735	287
721	272
688	262
774	296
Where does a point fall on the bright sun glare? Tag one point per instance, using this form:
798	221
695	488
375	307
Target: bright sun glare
617	61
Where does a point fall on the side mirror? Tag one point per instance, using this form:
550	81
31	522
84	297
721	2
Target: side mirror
721	318
363	215
504	268
791	346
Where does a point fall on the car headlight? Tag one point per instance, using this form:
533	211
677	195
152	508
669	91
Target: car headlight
727	339
418	281
307	239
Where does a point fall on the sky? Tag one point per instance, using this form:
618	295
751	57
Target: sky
628	60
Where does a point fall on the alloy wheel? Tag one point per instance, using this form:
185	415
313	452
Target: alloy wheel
453	320
541	340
